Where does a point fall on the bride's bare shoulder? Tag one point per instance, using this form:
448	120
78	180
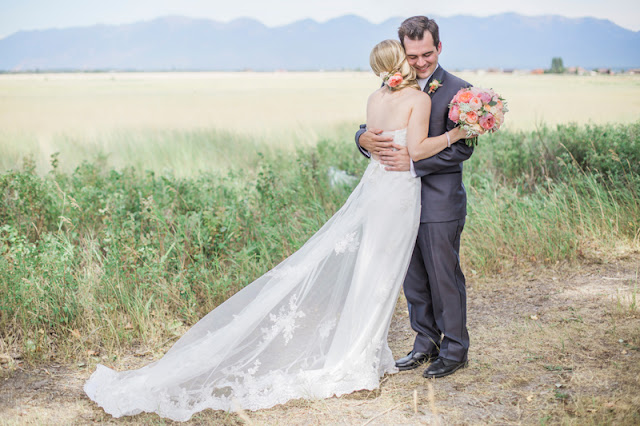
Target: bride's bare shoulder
374	97
420	96
376	93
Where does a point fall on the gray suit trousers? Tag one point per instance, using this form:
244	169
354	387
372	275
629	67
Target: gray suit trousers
436	293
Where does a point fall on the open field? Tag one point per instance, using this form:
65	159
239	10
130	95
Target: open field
190	122
102	262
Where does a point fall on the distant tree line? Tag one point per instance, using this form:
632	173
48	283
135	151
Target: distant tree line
557	67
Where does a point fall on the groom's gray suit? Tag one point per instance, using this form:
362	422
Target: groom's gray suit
435	285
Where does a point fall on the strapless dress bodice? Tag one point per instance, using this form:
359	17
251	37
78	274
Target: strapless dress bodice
399	136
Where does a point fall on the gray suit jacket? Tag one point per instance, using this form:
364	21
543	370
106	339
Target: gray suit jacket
443	195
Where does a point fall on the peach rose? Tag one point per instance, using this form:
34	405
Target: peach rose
475	103
395	79
472	117
465	97
454	113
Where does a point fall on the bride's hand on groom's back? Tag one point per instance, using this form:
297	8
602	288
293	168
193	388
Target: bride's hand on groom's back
372	141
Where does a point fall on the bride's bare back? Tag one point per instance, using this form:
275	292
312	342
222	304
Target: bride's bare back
406	108
392	110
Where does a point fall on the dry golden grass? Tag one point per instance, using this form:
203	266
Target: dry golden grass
549	346
256	103
554	99
276	103
124	113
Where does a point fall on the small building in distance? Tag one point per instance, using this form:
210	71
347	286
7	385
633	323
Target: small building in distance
577	70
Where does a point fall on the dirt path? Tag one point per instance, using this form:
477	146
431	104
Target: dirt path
555	345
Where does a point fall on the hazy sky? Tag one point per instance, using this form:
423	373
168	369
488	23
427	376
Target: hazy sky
18	15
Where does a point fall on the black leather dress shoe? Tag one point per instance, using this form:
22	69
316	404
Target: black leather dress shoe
443	367
414	360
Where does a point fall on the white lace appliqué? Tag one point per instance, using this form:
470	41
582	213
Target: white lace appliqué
325	328
284	322
348	243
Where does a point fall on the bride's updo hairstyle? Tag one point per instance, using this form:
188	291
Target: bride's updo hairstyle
388	57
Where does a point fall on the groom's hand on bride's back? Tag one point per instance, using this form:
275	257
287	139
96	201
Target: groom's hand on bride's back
372	141
396	159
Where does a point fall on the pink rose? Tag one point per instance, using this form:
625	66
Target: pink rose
485	97
475	103
454	113
472	117
395	79
487	121
500	117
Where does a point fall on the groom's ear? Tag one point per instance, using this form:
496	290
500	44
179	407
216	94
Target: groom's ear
439	47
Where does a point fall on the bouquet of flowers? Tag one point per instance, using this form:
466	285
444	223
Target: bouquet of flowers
476	110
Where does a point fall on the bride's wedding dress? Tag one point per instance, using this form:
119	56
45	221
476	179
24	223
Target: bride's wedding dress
314	326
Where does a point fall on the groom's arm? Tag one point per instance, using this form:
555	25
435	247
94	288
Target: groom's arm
363	128
369	141
454	155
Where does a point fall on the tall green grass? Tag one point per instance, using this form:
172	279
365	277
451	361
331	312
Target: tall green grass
552	194
111	258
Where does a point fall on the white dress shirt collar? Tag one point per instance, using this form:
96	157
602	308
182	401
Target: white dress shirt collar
423	81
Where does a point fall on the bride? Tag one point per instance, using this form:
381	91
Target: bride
315	325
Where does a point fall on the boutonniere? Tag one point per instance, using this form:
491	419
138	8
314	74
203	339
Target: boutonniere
433	86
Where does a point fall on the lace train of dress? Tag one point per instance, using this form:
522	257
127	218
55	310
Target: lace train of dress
313	327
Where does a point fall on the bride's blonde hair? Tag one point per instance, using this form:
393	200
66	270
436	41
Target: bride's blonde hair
388	57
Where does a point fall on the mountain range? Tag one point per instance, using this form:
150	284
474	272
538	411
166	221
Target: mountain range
180	43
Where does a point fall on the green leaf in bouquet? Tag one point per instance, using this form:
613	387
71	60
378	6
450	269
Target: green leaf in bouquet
472	141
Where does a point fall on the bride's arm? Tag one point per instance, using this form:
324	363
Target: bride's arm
419	145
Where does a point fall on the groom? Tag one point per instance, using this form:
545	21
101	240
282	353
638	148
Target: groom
434	285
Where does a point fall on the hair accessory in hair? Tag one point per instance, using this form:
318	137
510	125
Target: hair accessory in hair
391	80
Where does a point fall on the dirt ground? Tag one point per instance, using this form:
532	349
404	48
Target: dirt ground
557	345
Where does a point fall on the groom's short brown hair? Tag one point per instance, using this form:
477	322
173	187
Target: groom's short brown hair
413	28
